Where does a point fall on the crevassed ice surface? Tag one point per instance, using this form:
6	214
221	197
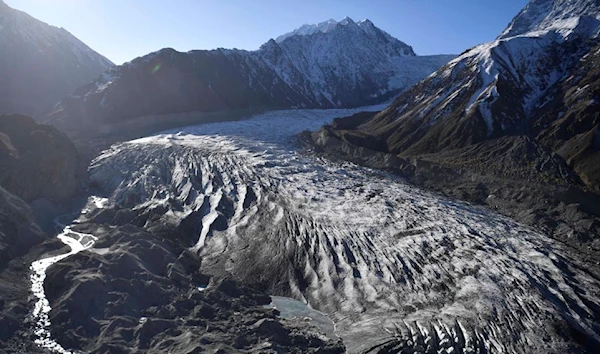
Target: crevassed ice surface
393	266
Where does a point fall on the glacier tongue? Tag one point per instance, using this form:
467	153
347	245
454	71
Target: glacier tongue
388	262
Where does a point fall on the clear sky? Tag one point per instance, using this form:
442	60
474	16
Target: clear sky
124	29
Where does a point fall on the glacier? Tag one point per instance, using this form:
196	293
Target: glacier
392	265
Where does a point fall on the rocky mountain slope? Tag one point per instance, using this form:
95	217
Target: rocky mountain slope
18	230
350	64
40	64
538	79
36	160
18	234
38	165
520	111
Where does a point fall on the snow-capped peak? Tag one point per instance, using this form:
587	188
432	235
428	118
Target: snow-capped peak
306	30
347	20
3	6
325	27
551	15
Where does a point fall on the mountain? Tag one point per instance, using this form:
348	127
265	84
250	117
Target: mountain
346	64
538	79
40	64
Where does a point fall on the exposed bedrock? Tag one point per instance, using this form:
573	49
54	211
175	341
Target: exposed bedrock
36	160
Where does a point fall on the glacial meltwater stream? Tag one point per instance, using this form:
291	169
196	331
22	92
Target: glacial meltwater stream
78	242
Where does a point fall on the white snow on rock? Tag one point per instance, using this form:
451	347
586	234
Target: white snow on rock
525	54
328	65
347	54
546	15
306	30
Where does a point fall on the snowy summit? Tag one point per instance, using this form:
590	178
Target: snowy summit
326	27
306	30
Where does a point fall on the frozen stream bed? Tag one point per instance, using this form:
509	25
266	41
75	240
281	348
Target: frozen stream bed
394	267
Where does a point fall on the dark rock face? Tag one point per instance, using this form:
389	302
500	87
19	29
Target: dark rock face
139	292
352	65
18	231
569	123
36	161
39	63
18	234
167	82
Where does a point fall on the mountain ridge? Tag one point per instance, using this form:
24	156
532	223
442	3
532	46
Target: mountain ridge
346	67
331	24
491	90
40	63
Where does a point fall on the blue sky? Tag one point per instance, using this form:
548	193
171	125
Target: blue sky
124	29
